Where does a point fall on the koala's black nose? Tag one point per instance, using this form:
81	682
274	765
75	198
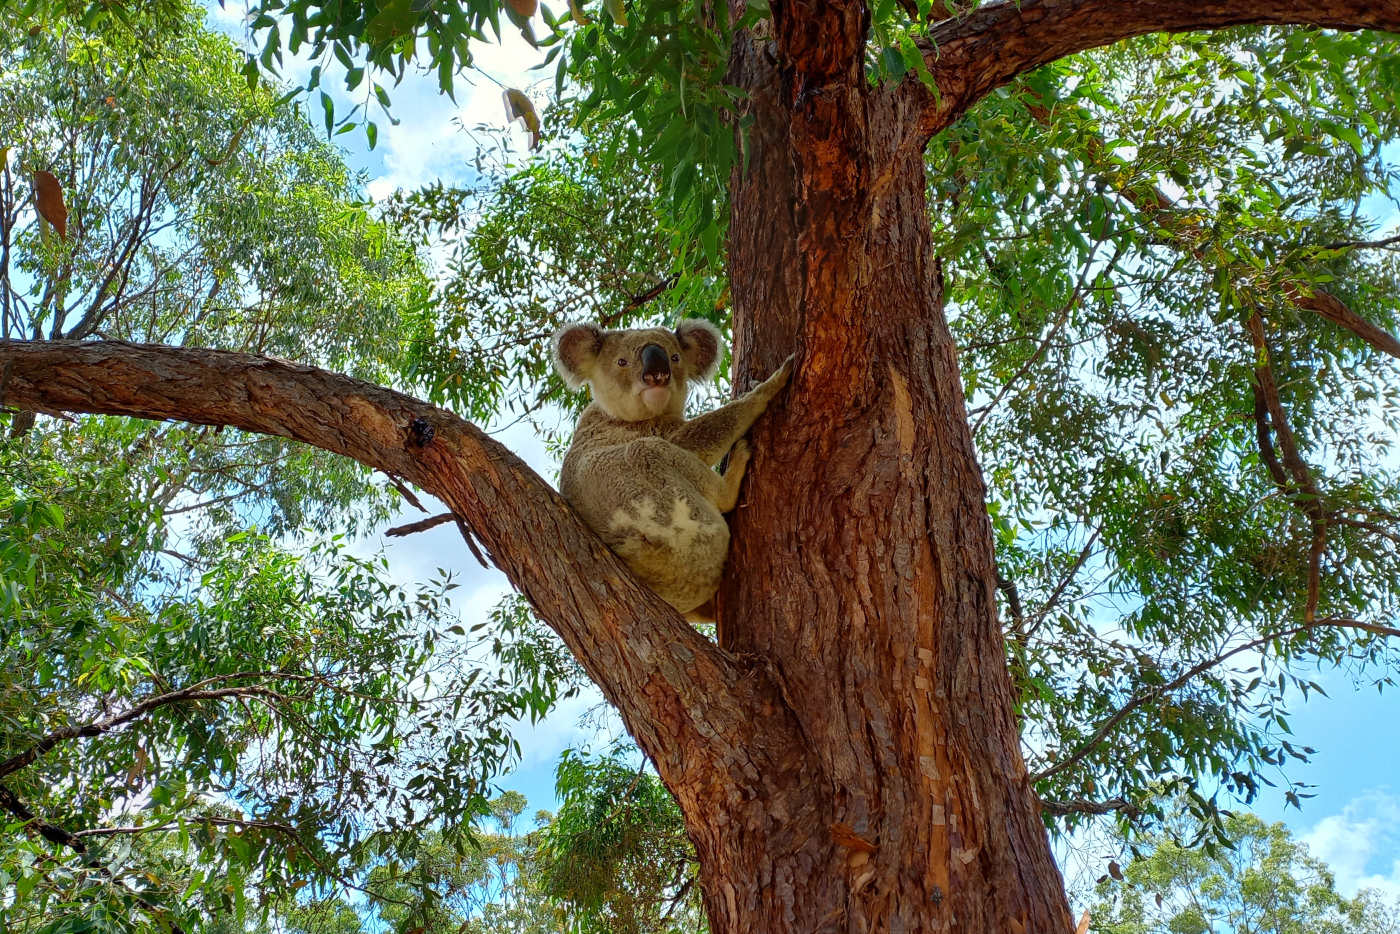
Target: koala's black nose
656	365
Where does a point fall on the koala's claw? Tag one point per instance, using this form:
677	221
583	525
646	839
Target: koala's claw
780	376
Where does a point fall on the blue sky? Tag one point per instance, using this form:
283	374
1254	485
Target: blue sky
1353	821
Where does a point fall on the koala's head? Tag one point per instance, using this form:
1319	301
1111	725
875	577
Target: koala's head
637	374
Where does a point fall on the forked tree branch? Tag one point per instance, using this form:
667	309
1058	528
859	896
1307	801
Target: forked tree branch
972	55
1304	491
707	720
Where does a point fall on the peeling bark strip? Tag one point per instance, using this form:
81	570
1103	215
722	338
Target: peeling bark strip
716	728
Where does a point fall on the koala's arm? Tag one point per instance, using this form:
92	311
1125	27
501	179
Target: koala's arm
710	435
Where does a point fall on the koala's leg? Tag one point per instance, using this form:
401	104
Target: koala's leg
704	613
733	475
710	435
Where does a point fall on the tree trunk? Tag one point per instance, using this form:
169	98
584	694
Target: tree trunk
861	570
847	758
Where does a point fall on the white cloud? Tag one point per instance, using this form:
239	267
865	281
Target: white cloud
433	139
571	724
1362	844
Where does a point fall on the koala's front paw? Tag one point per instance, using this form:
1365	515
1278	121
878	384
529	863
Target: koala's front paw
780	378
739	456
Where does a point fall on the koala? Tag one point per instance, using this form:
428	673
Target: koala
637	472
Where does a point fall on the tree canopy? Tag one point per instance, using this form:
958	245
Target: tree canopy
1169	271
204	694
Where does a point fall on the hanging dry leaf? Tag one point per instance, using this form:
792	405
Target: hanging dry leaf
576	11
48	198
525	8
1083	923
617	11
138	766
1115	871
518	107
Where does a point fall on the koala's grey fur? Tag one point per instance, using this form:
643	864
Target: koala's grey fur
638	472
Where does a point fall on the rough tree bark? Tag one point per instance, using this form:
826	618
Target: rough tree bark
847	757
861	573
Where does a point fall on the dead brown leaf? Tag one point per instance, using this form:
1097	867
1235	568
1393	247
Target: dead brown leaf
48	198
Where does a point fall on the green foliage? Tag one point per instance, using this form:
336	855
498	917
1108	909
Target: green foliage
617	854
591	868
577	234
1263	881
350	720
286	718
489	885
658	65
201	212
1109	227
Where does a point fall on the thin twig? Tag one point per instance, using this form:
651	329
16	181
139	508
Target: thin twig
284	829
1040	615
1083	806
1363	244
99	727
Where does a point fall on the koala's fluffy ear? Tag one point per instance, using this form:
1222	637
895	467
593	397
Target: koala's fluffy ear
700	343
576	348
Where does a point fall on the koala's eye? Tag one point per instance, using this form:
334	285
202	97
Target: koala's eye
675	358
621	361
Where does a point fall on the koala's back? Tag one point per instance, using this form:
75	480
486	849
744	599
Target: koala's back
645	497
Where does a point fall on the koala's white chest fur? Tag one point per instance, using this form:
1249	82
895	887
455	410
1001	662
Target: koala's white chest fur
647	499
645	520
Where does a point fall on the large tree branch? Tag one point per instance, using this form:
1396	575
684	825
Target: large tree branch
711	724
972	55
1335	310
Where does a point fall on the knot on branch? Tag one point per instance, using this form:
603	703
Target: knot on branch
420	432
